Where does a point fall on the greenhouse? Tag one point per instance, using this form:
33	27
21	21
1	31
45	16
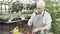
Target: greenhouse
15	14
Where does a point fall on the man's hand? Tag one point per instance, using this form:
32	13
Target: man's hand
30	24
38	29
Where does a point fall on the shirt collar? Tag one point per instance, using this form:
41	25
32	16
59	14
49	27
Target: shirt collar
41	13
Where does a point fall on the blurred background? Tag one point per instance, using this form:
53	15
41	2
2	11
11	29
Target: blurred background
13	8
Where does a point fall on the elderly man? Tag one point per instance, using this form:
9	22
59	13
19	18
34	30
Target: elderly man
41	20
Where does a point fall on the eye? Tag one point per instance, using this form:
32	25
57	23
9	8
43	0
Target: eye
38	8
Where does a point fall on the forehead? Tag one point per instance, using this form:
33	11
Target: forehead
39	6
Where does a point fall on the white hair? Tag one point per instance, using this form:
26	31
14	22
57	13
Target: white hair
40	3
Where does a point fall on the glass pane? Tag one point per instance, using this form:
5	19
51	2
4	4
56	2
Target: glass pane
0	6
7	6
3	6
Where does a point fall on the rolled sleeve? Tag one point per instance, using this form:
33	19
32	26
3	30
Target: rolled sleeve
32	17
48	22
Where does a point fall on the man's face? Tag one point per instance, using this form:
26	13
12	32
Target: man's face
40	9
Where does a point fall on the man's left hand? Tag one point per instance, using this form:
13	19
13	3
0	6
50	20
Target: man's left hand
36	30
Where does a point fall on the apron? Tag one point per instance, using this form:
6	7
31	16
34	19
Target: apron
38	22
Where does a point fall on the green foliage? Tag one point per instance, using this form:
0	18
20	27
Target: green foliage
53	10
32	6
16	7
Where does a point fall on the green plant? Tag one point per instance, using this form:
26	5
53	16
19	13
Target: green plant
53	10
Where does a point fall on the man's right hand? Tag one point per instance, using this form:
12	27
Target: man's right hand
29	24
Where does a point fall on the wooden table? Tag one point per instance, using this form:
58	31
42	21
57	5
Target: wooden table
8	26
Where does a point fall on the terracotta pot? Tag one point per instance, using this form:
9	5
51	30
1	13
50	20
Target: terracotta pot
30	32
22	30
25	32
